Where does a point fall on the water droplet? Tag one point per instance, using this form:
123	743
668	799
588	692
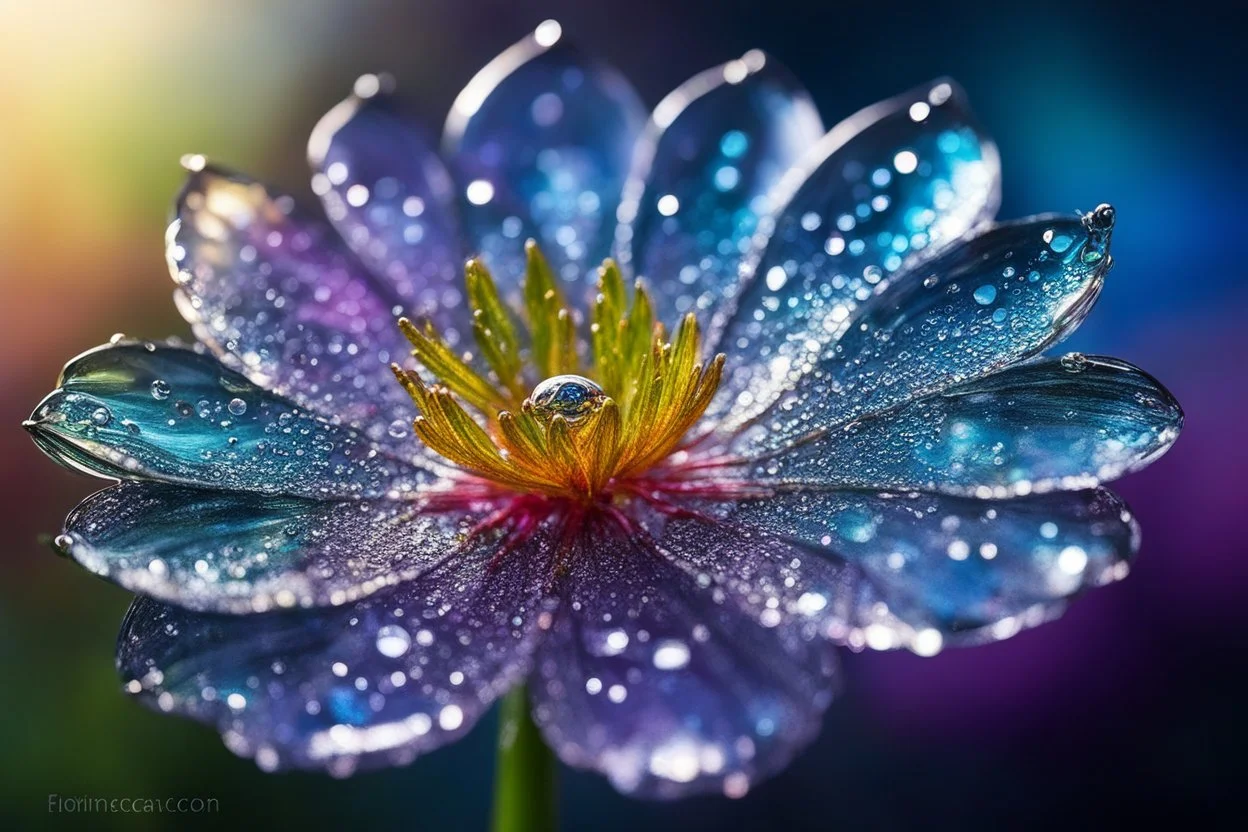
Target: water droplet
63	543
569	396
1074	362
161	390
397	429
393	641
1058	242
985	294
101	416
237	406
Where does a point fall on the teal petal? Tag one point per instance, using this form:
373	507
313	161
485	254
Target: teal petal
990	302
1062	423
241	553
142	411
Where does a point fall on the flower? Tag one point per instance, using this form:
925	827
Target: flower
849	437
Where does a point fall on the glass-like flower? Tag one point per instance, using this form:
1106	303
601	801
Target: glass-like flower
848	436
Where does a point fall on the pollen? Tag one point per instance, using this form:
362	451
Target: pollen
549	413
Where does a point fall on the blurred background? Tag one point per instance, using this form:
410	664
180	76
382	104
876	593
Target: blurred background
1129	708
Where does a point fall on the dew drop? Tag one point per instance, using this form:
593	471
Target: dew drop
393	641
161	390
397	429
237	406
570	396
985	294
101	416
1074	362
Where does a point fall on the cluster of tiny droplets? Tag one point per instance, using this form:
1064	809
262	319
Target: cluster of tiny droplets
821	261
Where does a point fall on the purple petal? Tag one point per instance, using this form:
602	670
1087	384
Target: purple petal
142	411
1062	423
540	142
985	304
393	201
884	189
240	553
934	570
714	149
372	684
280	298
659	679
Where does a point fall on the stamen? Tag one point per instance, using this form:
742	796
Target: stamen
572	437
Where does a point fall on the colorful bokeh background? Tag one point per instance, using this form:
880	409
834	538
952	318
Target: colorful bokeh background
1131	707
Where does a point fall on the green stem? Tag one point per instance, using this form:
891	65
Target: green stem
525	776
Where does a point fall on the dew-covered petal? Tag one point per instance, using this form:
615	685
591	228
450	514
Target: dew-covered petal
143	411
997	299
884	189
540	142
367	685
660	678
388	193
713	150
1061	423
281	298
240	553
937	570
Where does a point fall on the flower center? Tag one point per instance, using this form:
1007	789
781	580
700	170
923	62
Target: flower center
572	436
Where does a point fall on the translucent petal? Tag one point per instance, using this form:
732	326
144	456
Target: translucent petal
142	411
714	149
280	298
241	553
392	199
651	676
1060	423
540	142
372	684
936	570
884	188
997	299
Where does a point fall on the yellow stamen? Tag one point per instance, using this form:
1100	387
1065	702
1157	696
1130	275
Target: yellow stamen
577	437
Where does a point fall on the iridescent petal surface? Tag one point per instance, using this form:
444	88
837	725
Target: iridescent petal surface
1059	423
143	411
651	676
712	152
540	142
281	298
883	189
936	570
241	553
994	300
368	685
392	199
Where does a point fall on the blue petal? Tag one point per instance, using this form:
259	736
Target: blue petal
372	684
139	411
393	201
884	189
540	141
714	149
280	298
242	553
653	677
997	299
935	570
1060	423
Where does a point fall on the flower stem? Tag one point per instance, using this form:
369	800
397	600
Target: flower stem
525	775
